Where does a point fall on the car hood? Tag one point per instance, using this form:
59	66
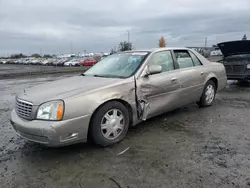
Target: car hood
64	88
235	47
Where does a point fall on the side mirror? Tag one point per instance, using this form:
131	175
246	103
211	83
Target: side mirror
154	69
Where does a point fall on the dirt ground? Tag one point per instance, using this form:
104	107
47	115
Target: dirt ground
189	147
8	71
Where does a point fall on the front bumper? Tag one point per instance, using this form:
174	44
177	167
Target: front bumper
52	133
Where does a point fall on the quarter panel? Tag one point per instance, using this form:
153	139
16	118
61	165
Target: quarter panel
217	70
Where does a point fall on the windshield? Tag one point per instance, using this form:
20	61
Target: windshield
118	65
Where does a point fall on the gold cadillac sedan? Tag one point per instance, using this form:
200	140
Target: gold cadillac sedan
119	91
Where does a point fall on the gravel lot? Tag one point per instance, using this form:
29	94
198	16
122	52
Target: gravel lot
14	71
189	147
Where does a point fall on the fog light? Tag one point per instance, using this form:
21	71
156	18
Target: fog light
68	137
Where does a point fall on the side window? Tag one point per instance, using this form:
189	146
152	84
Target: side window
196	61
164	59
183	59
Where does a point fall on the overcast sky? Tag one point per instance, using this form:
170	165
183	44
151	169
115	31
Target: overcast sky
51	26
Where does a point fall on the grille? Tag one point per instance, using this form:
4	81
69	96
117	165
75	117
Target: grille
229	68
24	108
239	68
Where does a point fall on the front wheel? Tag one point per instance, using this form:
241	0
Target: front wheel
208	94
109	124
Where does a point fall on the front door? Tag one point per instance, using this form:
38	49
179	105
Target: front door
160	92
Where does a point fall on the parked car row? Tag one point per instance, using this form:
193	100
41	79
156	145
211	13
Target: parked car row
72	61
86	61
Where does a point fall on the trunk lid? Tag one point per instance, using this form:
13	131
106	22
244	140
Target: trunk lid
235	47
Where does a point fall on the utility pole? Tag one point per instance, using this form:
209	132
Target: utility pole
206	42
71	47
128	36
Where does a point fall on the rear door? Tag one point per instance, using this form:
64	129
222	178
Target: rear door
160	91
204	71
191	76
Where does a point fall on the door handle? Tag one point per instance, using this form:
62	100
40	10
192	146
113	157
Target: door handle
202	73
173	79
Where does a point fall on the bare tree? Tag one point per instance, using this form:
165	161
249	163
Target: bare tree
125	46
244	37
162	42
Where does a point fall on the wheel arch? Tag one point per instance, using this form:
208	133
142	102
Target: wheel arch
125	103
215	80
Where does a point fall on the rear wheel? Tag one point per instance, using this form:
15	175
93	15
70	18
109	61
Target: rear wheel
208	94
109	124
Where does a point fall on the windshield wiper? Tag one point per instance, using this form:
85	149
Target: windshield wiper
99	75
107	76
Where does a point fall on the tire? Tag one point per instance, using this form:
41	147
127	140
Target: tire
205	101
101	128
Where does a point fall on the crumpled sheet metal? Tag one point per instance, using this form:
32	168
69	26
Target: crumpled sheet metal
143	104
155	98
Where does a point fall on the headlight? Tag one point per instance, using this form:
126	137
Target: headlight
52	110
248	66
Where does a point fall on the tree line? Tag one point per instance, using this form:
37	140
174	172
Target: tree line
123	46
127	46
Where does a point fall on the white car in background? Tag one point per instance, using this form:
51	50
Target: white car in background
34	62
215	53
45	62
3	61
71	62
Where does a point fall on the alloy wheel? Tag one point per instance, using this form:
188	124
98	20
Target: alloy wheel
209	94
112	124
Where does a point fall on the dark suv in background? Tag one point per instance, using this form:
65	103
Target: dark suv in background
236	59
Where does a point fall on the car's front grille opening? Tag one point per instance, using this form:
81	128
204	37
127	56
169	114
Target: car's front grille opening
239	68
235	69
229	68
23	108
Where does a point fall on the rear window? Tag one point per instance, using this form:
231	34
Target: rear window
196	61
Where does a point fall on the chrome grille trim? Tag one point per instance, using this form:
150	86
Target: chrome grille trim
26	102
24	108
